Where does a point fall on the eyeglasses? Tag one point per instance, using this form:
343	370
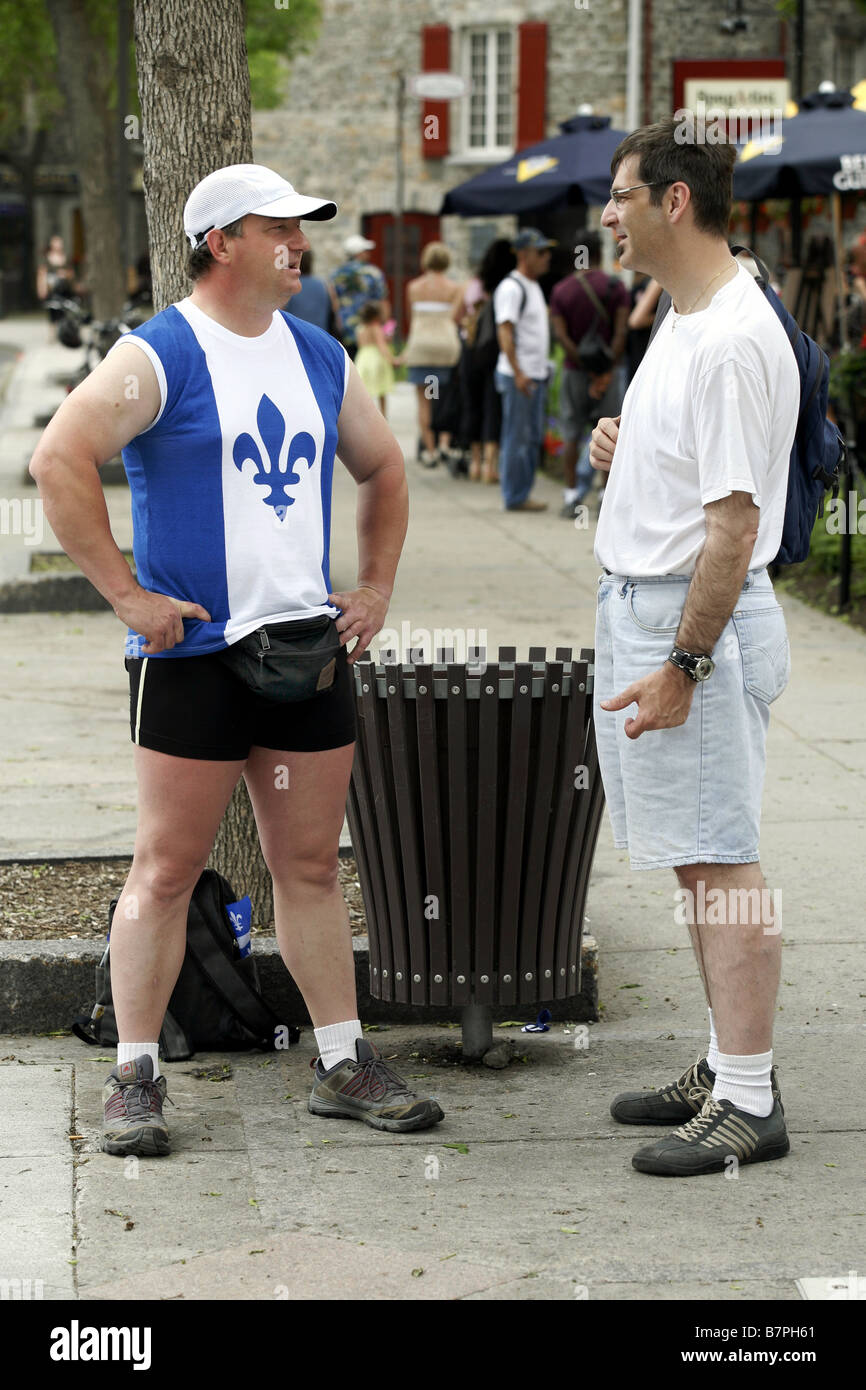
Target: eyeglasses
617	194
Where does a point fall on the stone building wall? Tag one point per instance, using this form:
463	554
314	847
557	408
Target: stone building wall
335	134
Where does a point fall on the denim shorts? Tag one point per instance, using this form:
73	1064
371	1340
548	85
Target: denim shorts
689	795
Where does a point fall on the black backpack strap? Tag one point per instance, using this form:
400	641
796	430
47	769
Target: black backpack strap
237	992
522	288
174	1044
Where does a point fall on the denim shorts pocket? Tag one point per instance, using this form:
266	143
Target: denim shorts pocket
656	607
765	650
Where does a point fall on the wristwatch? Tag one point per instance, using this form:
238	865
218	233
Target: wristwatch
699	668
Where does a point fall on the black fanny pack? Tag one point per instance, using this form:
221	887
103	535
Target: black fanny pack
287	661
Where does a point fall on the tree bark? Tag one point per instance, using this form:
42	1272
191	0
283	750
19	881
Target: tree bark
86	71
194	89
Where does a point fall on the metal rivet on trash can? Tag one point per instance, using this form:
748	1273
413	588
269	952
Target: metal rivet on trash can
573	969
485	979
399	975
507	979
523	689
488	690
554	687
528	975
417	979
392	690
547	974
461	979
384	974
562	970
455	690
366	689
437	979
422	690
375	969
582	686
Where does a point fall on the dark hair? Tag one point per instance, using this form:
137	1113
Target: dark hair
668	152
371	312
200	260
590	240
498	261
306	266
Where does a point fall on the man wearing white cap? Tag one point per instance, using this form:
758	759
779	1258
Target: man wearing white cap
229	413
357	283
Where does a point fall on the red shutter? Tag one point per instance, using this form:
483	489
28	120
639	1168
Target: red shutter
531	82
435	57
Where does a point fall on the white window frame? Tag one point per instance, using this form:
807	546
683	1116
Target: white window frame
486	152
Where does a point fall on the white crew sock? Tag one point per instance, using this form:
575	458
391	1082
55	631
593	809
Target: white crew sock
745	1081
570	494
336	1042
127	1052
713	1049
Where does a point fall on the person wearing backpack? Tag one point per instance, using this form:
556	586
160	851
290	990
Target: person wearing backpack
691	646
589	315
523	334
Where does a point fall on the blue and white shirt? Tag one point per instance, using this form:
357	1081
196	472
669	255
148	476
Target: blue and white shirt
231	484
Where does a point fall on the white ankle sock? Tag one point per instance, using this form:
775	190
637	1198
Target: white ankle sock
336	1042
713	1049
745	1081
570	494
127	1052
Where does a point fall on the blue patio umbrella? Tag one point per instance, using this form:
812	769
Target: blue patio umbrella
546	175
821	150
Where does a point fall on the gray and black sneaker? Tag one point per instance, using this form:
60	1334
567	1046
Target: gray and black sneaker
368	1090
132	1111
676	1103
672	1105
708	1142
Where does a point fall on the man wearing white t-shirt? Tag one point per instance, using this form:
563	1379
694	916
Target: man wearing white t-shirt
523	330
689	630
229	441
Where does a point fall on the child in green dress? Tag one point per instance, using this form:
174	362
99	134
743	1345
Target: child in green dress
374	359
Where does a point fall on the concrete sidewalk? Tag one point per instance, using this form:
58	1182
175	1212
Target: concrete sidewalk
283	1201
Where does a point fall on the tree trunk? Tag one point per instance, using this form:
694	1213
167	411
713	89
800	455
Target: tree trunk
194	89
86	71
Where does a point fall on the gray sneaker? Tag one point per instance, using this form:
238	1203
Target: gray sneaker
671	1105
367	1089
132	1120
708	1142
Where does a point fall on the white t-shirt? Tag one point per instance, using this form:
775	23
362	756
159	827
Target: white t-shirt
711	410
531	328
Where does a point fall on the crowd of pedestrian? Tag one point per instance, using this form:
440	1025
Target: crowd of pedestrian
479	353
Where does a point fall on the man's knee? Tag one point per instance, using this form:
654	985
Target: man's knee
315	870
166	876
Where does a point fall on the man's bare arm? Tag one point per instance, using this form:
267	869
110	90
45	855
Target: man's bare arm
732	529
116	402
372	455
664	697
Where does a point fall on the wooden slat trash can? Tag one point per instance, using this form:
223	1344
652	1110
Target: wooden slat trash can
474	810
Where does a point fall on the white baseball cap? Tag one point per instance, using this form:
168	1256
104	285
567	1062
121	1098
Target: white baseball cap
230	193
354	245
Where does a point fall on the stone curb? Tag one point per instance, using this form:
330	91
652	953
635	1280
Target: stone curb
51	593
45	985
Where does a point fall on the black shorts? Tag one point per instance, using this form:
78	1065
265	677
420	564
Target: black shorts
195	707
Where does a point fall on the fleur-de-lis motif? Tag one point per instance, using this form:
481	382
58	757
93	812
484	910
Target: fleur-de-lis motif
272	428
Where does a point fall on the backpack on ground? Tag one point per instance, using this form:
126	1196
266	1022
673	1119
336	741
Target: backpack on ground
485	344
818	451
216	1004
